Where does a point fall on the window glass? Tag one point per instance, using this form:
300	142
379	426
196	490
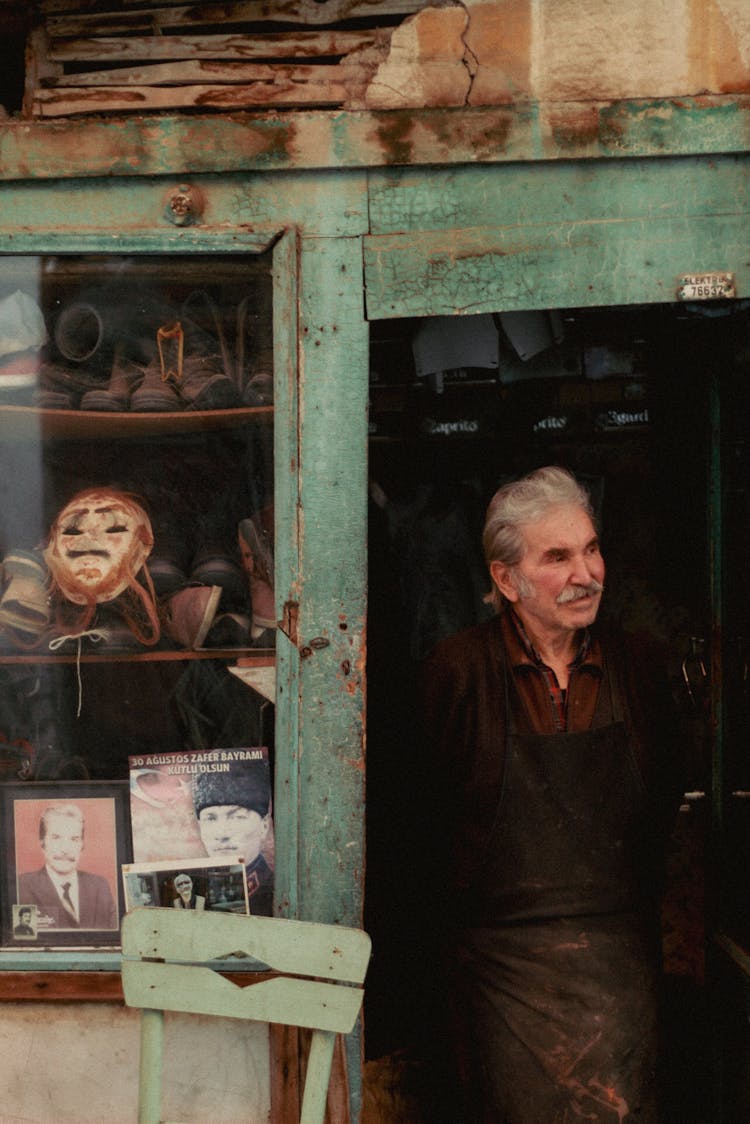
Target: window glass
136	531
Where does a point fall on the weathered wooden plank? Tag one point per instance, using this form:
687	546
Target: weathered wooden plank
292	44
404	199
549	264
258	206
287	570
333	499
38	67
298	1002
105	987
159	19
216	73
239	142
300	948
115	99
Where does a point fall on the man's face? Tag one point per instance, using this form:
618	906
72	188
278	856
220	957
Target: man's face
62	843
96	547
229	829
184	887
561	575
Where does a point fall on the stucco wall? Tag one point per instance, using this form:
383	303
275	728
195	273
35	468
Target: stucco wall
78	1064
492	53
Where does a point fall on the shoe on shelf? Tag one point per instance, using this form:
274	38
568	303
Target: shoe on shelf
115	397
24	608
189	614
204	386
229	630
208	379
55	399
205	333
60	387
259	390
256	553
167	565
213	565
155	394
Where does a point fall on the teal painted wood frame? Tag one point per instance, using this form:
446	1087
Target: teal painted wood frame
537	224
320	341
403	241
199	144
454	241
321	496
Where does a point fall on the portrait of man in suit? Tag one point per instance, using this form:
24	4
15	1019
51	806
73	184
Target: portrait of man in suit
65	896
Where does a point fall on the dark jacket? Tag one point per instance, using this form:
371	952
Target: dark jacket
96	904
465	724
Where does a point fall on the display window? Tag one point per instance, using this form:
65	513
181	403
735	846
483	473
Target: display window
137	551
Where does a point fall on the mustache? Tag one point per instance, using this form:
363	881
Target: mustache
577	592
87	553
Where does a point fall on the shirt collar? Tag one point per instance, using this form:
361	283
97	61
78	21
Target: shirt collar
59	880
521	651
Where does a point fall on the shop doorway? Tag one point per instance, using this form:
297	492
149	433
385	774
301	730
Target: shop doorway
625	397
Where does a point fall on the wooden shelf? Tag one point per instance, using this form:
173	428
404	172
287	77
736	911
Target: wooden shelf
266	657
25	423
258	671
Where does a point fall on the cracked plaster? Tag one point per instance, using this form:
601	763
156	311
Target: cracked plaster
496	52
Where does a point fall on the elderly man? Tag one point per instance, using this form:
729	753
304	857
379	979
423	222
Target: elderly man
65	896
186	896
550	742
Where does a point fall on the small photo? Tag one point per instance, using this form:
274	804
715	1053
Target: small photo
199	884
25	922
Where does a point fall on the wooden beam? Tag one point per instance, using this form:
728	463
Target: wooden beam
143	48
550	264
159	19
218	73
263	141
136	99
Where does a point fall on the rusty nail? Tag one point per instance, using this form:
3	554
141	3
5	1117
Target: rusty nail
184	205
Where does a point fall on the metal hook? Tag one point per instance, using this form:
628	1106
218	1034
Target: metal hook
694	657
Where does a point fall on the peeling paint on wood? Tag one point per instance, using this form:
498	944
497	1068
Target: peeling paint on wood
236	142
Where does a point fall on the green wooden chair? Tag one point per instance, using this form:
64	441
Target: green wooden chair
312	977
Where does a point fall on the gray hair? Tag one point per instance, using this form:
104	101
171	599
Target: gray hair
70	811
526	501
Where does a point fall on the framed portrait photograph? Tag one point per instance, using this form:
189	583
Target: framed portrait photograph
64	845
199	884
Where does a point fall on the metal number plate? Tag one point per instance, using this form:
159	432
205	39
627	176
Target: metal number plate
706	287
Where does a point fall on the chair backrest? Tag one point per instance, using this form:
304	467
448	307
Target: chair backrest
173	961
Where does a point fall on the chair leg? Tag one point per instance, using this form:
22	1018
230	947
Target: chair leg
318	1076
149	1078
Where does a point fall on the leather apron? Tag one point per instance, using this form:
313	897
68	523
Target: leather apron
557	971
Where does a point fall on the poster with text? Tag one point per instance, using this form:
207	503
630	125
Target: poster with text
213	804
